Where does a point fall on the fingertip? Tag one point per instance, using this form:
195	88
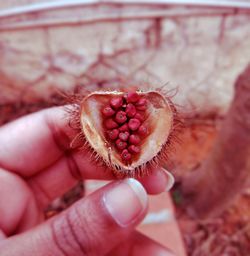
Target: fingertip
126	202
170	179
159	181
2	235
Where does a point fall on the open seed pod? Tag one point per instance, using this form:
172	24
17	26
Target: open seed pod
127	130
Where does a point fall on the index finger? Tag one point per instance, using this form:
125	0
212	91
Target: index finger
34	142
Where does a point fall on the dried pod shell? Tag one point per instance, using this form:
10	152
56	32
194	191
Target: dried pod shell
159	120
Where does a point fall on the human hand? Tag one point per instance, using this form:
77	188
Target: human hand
36	166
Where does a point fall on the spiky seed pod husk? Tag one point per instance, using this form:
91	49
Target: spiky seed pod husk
150	135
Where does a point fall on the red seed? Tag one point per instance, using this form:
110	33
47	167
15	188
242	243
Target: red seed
110	124
132	97
120	117
130	110
124	128
124	136
139	117
134	124
126	155
141	108
134	149
120	144
108	111
113	134
143	130
141	104
116	102
134	139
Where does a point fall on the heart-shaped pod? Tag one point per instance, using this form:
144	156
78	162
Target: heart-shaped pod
127	130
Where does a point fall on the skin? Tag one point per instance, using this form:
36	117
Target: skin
36	166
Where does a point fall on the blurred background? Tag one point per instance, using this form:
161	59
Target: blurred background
198	50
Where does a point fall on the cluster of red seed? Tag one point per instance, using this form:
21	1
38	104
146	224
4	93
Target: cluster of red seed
123	119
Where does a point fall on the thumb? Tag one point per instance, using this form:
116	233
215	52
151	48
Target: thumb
92	226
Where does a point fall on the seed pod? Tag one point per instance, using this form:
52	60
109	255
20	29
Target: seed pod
125	157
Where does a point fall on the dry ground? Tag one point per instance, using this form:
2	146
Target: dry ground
229	233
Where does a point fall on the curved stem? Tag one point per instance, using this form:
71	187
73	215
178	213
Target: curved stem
226	172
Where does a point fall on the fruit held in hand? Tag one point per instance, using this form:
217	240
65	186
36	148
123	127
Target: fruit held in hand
128	131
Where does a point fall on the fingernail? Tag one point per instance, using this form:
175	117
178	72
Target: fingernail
2	235
126	202
158	252
170	179
164	253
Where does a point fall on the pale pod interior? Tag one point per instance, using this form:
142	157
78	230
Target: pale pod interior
159	119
